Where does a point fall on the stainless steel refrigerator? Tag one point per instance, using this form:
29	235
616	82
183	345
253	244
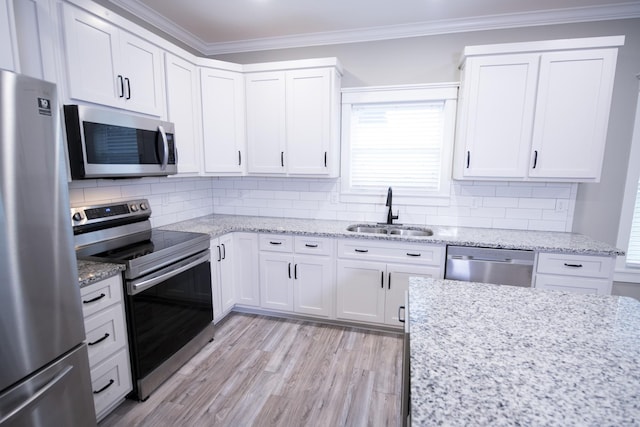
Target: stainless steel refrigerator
44	367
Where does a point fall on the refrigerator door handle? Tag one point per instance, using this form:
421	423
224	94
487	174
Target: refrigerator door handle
37	395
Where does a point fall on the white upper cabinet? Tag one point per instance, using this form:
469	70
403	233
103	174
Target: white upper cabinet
497	115
572	113
266	129
223	122
535	111
293	119
109	66
8	42
183	109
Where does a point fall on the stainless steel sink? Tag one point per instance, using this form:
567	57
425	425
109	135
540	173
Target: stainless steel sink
411	231
367	229
395	230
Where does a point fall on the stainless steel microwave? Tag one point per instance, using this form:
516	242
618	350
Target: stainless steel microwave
109	144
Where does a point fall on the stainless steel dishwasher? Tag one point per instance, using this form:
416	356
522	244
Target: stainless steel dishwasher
488	265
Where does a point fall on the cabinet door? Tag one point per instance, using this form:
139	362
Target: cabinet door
183	109
223	122
91	46
216	292
579	285
398	282
266	122
8	59
227	288
360	291
572	113
312	289
276	281
496	116
245	259
141	67
308	121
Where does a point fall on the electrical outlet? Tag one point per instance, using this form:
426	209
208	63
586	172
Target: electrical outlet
561	205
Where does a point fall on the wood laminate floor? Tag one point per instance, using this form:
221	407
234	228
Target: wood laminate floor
263	371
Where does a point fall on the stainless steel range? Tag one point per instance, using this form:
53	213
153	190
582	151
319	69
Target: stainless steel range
167	285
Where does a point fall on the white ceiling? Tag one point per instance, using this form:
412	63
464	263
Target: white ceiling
223	26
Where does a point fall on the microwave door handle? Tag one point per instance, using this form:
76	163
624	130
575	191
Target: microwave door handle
165	145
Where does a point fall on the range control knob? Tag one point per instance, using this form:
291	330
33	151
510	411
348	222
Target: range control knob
144	206
134	208
77	216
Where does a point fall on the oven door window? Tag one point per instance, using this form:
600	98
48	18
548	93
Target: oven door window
167	316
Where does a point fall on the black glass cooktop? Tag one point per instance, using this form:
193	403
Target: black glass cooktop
160	241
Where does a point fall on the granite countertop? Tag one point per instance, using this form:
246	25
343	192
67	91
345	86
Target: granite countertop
217	225
90	271
501	355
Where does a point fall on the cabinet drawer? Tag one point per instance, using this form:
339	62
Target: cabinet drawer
580	285
276	243
110	381
575	265
100	295
313	245
105	332
391	252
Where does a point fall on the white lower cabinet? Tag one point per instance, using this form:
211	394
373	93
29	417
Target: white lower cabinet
371	290
106	336
246	273
584	274
222	276
297	275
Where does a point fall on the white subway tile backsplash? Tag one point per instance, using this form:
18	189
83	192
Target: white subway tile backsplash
524	213
535	203
514	205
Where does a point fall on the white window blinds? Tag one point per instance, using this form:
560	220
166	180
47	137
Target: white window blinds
397	144
633	253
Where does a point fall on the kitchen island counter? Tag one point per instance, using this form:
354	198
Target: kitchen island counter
546	241
500	355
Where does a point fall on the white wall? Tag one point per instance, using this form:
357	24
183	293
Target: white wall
432	59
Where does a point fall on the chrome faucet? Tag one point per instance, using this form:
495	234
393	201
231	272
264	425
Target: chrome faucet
390	215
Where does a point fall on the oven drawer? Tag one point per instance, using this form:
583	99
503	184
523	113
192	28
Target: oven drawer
100	295
110	381
105	333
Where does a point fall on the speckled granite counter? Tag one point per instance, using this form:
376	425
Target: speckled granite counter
90	272
500	355
216	225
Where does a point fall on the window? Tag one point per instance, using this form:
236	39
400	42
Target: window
633	253
398	137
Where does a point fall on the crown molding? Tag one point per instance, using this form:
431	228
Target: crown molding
480	23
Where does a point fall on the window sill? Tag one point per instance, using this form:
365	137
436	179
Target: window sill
627	275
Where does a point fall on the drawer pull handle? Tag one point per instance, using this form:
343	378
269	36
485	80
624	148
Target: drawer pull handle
573	265
111	381
400	319
362	251
106	335
310	246
275	243
89	301
410	254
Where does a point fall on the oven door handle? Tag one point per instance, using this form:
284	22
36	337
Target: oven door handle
138	286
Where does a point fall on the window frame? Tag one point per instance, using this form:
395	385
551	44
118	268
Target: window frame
624	272
447	92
